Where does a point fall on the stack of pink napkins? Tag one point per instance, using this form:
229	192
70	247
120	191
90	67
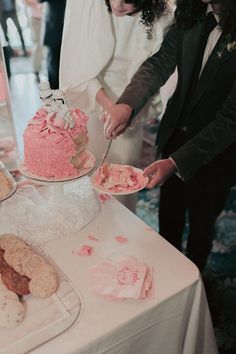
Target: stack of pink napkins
123	278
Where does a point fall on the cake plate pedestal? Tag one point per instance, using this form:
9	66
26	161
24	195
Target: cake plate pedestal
64	208
59	195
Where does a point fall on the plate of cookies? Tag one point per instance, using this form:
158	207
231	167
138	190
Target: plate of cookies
37	301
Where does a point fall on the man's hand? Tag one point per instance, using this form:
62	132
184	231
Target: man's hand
116	120
158	172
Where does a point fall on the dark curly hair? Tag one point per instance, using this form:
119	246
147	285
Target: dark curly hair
189	12
150	10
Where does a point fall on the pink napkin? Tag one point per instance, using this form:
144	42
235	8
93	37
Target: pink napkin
123	278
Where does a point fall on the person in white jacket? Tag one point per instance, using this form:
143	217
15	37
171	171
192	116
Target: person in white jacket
104	43
36	14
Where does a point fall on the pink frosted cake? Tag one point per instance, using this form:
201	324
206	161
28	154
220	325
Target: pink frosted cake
54	149
120	178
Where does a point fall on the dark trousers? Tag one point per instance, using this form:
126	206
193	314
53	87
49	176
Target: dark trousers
202	204
203	207
53	62
7	56
13	15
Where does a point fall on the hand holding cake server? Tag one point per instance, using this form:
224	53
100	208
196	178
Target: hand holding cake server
197	136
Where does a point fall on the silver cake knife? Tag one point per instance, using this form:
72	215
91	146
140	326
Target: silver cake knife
106	152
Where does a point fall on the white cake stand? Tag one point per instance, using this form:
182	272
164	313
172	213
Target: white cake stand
68	206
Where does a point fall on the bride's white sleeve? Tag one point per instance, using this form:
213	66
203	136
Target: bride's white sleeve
87	46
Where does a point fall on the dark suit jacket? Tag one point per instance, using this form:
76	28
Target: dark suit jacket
54	22
209	155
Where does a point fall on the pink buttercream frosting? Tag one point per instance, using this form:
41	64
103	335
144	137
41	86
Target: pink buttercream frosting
52	149
120	178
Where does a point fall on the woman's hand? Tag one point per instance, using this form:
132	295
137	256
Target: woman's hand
116	120
159	171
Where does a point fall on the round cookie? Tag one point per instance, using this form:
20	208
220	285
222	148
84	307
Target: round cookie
32	264
11	313
10	241
17	257
45	268
3	264
43	284
8	295
15	282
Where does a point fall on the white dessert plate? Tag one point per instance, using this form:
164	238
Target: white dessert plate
88	166
14	188
102	189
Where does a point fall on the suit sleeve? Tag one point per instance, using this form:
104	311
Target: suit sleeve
216	137
153	73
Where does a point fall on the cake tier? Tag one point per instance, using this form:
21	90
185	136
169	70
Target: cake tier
49	149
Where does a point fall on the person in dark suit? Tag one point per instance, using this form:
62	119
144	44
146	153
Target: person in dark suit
54	22
8	9
196	141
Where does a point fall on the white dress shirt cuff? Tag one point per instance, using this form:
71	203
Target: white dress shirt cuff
177	170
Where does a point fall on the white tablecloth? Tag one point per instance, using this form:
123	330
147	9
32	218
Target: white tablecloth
176	321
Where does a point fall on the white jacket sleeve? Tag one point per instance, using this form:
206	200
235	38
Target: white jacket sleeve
87	46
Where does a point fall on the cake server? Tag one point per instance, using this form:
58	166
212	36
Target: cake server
106	152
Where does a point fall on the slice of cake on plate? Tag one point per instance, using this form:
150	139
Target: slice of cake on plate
120	178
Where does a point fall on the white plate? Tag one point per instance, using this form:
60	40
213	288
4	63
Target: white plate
107	191
89	165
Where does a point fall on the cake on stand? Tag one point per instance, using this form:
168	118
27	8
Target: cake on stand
58	183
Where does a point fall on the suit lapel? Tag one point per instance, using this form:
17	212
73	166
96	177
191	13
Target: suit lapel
191	43
212	66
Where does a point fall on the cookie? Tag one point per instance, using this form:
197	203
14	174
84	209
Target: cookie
43	284
3	264
7	294
11	313
32	264
15	282
10	241
45	267
17	258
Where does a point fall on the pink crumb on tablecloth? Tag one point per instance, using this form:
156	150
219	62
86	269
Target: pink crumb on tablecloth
85	250
104	197
92	238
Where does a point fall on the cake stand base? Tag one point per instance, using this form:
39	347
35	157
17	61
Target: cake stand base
40	214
